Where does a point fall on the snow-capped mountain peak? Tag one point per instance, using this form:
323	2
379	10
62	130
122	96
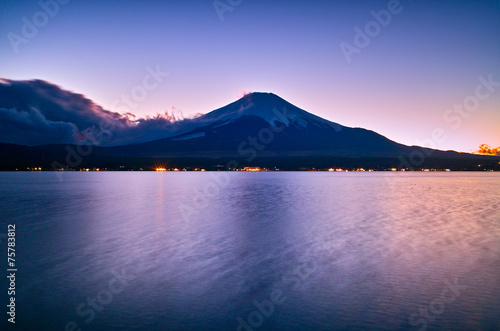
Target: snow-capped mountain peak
269	107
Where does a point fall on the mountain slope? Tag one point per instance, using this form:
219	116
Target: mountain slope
260	129
271	126
269	107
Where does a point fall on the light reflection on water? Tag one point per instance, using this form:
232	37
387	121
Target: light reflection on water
347	250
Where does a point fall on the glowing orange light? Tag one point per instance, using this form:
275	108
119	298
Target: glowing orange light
252	169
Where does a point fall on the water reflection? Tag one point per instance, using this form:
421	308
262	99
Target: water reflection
347	250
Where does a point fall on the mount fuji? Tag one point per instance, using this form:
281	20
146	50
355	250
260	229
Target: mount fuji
265	130
260	129
267	125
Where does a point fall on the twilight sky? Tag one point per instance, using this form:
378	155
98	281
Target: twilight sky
410	78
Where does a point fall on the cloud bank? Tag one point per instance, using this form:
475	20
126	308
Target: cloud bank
485	149
37	112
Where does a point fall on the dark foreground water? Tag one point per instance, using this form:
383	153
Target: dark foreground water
253	251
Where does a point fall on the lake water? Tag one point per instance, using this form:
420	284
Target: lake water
254	251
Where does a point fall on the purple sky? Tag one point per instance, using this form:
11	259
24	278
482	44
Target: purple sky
403	84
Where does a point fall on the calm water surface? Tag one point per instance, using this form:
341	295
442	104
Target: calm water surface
254	251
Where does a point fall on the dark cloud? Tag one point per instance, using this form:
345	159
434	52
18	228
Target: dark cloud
32	128
37	112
